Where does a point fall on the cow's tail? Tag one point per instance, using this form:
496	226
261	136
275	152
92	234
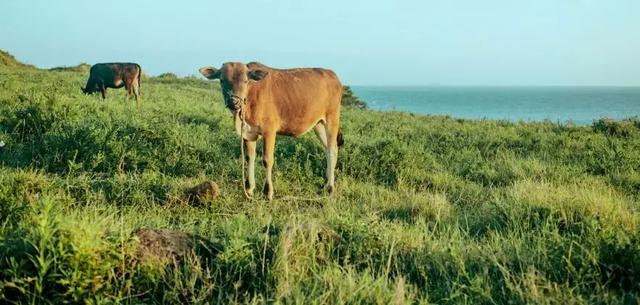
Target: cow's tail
340	139
139	75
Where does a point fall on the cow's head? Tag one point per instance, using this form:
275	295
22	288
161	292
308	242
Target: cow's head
90	88
235	80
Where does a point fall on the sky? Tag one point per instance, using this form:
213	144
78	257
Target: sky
374	42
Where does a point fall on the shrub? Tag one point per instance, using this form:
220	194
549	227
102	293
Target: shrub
614	128
351	100
167	75
82	67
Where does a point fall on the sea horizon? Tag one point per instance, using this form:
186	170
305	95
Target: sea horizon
493	86
580	105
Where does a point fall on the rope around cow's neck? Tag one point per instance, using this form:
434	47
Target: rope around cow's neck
242	183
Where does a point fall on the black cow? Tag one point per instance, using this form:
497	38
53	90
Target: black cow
114	75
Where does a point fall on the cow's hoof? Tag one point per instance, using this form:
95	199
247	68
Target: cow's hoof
330	189
248	187
268	191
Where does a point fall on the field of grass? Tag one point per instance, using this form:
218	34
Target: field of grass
428	209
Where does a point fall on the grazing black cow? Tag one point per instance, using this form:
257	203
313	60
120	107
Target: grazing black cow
114	75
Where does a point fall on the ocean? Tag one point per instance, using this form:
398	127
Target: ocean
577	105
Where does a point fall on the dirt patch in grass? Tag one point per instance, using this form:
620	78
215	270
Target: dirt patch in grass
168	246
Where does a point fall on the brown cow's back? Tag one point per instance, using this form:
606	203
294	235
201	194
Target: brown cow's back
294	99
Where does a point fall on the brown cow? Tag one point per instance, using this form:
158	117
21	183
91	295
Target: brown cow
114	75
287	102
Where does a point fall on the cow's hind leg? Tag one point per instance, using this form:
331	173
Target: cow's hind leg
267	160
321	133
127	87
136	91
331	151
250	154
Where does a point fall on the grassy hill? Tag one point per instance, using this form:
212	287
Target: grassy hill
83	67
8	60
429	209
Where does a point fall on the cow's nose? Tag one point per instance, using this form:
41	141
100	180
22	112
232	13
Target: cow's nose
235	102
238	99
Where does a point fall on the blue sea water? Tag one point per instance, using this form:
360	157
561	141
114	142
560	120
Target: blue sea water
578	105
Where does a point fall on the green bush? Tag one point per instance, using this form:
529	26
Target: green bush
82	67
351	100
615	128
167	75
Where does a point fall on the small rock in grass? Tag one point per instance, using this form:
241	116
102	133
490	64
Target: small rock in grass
205	191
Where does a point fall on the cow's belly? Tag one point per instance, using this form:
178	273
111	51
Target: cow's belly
296	131
253	133
118	83
299	126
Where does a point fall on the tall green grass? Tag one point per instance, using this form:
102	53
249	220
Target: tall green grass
429	209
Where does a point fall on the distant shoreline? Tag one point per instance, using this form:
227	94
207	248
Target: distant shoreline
494	86
563	104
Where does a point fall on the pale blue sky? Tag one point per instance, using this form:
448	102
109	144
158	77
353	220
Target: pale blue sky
404	42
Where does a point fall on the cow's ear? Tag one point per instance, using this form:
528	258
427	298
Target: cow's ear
257	74
210	72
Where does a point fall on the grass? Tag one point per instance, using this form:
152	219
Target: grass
429	209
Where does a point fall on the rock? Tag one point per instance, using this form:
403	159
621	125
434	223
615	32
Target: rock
205	191
168	246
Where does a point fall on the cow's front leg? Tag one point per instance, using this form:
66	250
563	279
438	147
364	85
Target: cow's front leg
250	154
103	91
267	161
